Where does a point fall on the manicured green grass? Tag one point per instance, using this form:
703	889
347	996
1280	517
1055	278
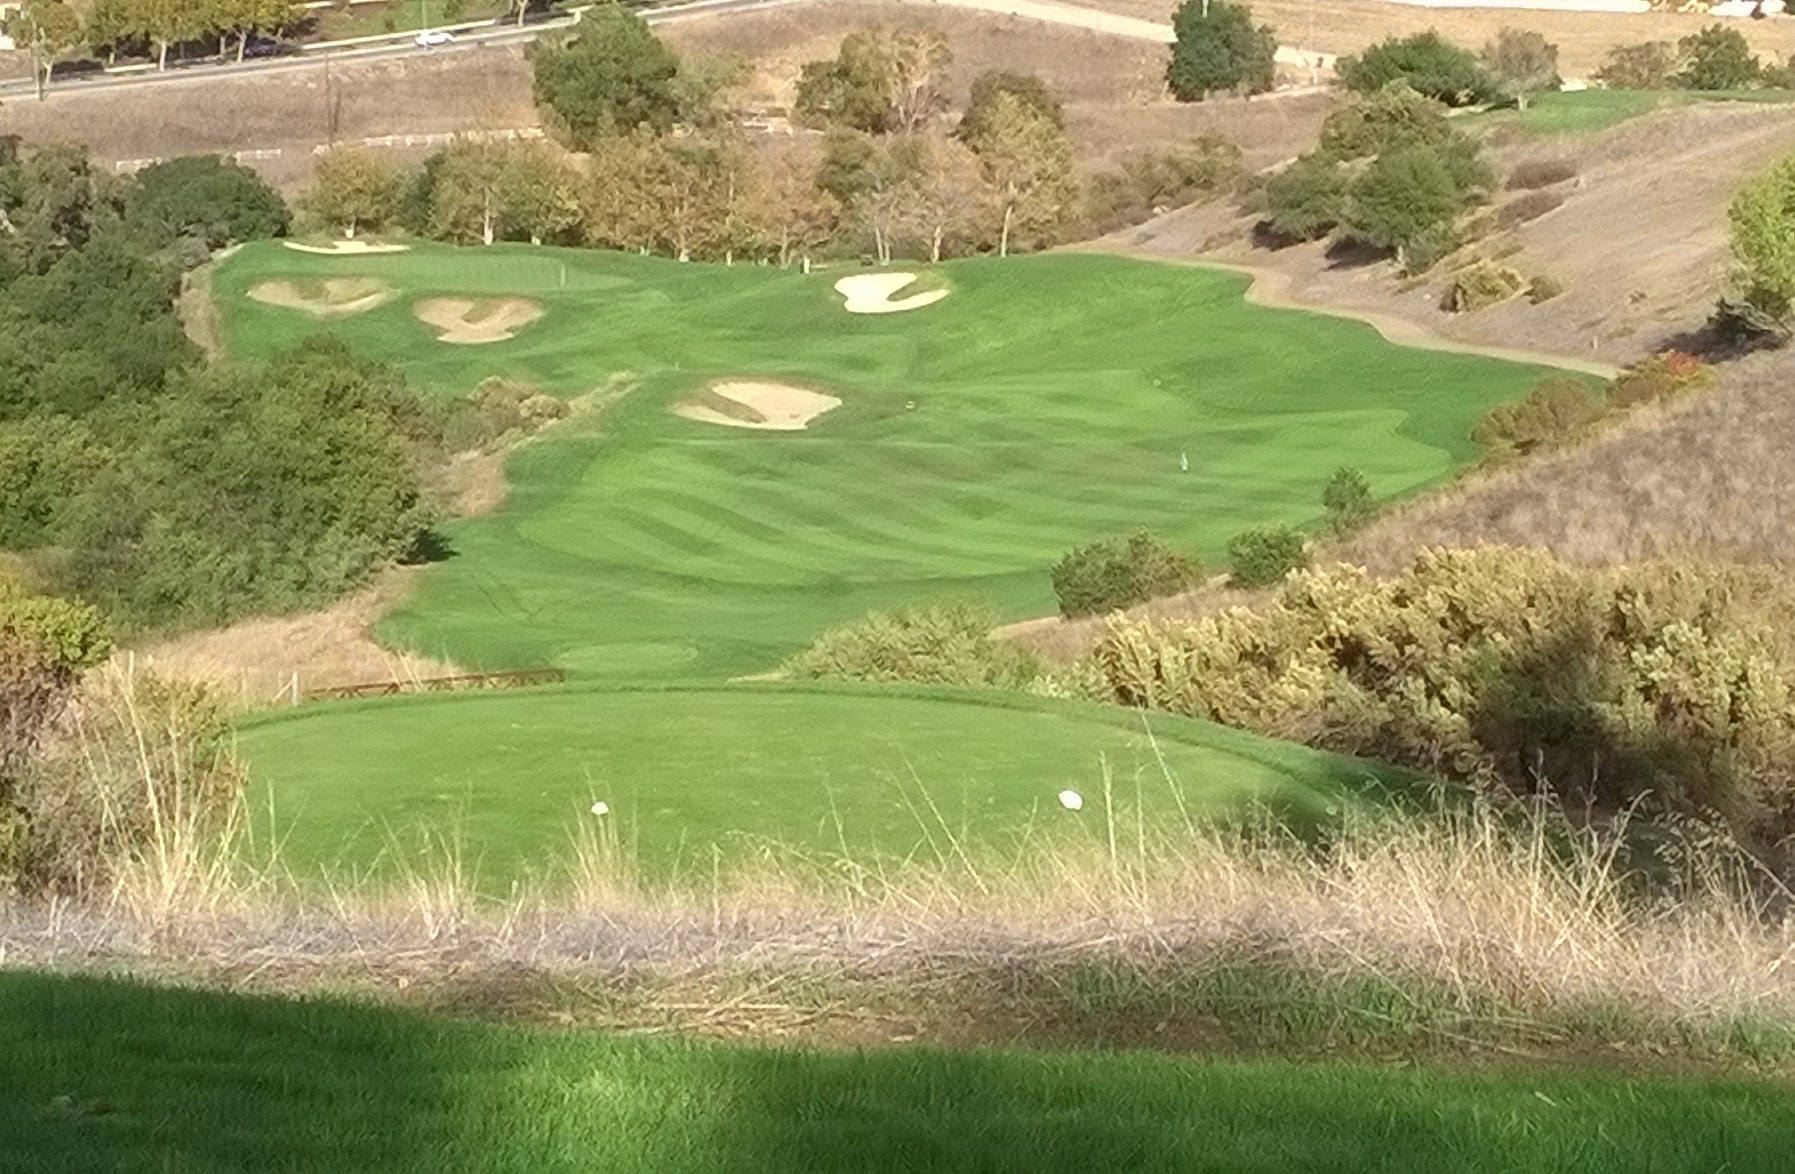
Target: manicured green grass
1047	402
693	775
1582	112
112	1077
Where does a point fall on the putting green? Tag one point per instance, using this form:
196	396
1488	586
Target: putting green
691	774
1050	401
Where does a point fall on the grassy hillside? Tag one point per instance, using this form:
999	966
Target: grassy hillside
693	774
217	1083
1047	402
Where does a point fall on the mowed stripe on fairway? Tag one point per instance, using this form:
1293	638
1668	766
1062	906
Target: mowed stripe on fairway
1047	402
690	773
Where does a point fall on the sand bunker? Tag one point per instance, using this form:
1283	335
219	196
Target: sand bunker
329	298
871	293
748	404
468	321
347	248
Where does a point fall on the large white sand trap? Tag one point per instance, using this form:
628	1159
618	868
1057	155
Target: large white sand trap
330	298
778	407
468	321
347	248
872	293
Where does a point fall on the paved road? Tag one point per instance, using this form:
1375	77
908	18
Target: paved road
476	39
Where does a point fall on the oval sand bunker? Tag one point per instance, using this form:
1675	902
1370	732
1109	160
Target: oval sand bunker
328	298
346	248
745	403
468	321
872	293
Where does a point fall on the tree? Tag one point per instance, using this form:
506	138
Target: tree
1406	198
1346	499
1718	58
1523	63
1428	62
805	216
217	201
44	28
1651	66
880	80
1763	240
246	18
608	76
1216	47
1387	118
352	189
625	190
1034	93
1029	163
1307	200
950	200
540	193
466	197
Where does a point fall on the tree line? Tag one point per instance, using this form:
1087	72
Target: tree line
649	157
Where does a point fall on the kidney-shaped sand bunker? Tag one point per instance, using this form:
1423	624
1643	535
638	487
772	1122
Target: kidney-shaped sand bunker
749	403
468	321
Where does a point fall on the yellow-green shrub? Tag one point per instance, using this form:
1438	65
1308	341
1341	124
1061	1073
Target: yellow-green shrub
1671	683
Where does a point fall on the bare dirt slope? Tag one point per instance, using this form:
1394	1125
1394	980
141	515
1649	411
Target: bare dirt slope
1640	243
1583	38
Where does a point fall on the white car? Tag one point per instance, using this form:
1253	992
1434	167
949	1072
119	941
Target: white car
430	37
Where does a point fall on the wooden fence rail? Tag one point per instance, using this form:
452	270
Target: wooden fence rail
518	679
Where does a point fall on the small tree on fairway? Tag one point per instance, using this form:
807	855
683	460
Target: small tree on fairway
353	189
1523	63
1718	58
1216	48
44	28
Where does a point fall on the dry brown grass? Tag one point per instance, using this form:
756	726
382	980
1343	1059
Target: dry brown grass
1583	38
1508	930
272	660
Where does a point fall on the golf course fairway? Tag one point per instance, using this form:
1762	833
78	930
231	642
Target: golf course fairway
692	776
1046	402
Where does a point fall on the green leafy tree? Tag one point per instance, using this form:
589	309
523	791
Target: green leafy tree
1523	63
1395	115
45	29
1406	198
353	189
1034	93
1346	500
1428	62
1718	58
1117	573
1216	48
1650	66
1029	164
217	201
881	80
1762	218
608	76
1308	199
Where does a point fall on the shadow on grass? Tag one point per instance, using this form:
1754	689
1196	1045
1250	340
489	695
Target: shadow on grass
111	1076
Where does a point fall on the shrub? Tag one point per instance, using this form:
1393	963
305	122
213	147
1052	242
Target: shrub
1668	684
1406	197
1392	116
1541	288
1306	200
1149	182
1555	411
1428	62
1121	572
1481	285
1540	173
1718	58
1661	377
1217	47
1528	207
139	764
496	413
1651	66
941	644
1266	554
1346	499
1762	219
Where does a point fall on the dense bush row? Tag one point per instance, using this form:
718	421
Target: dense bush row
1666	684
